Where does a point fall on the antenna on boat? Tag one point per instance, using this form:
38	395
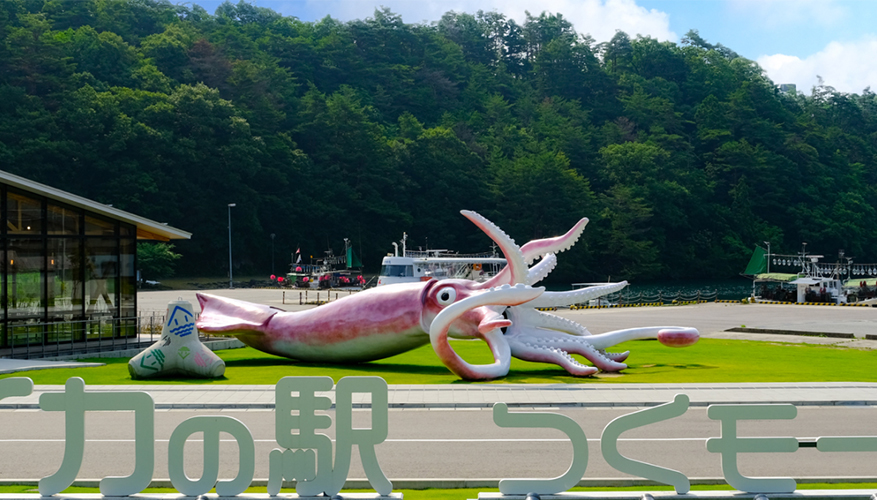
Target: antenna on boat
803	256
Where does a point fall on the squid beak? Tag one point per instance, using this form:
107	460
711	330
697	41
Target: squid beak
491	317
492	322
487	318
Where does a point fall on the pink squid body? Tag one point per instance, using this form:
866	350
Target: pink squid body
368	325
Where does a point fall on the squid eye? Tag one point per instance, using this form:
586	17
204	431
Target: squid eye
446	296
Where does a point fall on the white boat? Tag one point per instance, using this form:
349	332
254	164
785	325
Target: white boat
423	265
814	282
862	290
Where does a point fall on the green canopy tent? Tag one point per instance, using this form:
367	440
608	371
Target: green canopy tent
757	263
352	260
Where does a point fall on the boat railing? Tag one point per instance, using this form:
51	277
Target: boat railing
423	254
628	298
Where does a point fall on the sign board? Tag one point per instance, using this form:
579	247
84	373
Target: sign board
306	455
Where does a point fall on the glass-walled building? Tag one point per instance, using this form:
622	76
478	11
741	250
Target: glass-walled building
67	260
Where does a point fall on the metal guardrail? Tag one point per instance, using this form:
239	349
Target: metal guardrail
64	338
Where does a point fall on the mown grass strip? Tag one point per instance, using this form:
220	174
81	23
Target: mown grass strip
708	361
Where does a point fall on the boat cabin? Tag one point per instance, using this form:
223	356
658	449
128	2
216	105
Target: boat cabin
424	265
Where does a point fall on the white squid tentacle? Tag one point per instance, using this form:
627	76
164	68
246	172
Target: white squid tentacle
538	272
608	339
514	257
532	345
523	315
536	248
554	299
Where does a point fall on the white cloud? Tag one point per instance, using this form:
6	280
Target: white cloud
599	18
846	66
775	13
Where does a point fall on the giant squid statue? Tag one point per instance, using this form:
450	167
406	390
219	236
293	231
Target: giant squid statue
388	320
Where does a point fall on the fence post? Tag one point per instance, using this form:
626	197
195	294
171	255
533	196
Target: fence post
284	298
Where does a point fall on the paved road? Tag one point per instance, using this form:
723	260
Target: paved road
454	444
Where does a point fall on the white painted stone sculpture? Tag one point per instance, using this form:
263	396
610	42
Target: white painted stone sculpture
178	351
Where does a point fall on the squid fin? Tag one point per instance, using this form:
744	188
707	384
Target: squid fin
224	316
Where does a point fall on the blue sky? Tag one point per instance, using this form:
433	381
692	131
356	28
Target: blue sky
793	40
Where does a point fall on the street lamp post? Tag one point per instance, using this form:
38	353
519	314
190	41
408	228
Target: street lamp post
272	252
768	255
230	280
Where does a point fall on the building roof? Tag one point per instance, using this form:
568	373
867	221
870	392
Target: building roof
146	229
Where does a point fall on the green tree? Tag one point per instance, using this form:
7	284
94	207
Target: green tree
156	260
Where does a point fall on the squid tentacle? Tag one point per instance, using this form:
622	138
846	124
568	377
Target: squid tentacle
615	356
558	329
554	299
674	336
532	317
543	354
581	346
538	272
533	249
438	332
532	345
516	265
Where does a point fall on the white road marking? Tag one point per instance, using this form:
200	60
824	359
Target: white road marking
434	440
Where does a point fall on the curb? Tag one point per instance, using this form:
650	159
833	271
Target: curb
458	483
794	332
777	302
462	406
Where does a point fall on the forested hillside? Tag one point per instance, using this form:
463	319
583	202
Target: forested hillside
684	156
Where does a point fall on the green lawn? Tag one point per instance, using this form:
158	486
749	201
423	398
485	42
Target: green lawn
710	360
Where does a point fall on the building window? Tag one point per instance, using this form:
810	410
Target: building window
101	277
128	276
99	227
23	215
64	275
25	278
62	221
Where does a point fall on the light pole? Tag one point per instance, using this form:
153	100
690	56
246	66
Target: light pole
230	280
272	252
768	256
